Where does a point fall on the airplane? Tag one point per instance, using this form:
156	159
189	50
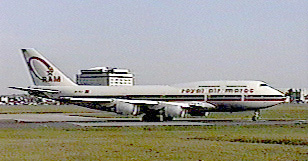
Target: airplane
151	102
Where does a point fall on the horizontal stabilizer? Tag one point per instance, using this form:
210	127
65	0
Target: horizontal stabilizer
34	89
101	100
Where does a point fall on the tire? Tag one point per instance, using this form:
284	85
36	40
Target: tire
169	118
254	118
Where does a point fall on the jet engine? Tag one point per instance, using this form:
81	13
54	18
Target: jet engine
126	108
174	109
182	109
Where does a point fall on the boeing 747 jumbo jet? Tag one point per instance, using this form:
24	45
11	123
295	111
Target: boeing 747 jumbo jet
152	102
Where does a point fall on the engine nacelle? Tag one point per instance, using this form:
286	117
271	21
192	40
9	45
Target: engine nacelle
126	108
174	109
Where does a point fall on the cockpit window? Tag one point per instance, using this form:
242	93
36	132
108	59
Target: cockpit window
265	85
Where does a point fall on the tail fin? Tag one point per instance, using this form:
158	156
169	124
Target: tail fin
43	72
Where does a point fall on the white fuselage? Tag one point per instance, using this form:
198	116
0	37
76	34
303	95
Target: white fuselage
226	95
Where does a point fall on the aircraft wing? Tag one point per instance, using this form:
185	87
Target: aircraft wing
191	104
139	102
160	104
28	89
148	103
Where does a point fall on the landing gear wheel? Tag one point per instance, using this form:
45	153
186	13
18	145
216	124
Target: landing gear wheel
169	118
151	117
254	118
184	114
145	118
256	115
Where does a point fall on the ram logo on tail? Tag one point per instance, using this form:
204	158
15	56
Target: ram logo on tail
43	72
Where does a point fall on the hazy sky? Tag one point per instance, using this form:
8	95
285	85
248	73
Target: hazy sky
161	41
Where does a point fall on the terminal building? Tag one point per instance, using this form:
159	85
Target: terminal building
105	76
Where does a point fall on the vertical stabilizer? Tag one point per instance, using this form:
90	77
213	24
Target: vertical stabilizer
43	72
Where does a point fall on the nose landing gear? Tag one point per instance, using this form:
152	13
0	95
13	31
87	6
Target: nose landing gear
256	115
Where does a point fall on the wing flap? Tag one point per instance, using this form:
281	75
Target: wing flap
139	102
201	104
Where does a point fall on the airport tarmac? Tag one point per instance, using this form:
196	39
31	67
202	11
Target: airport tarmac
68	121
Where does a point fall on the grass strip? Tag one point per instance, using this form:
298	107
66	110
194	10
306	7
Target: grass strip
285	141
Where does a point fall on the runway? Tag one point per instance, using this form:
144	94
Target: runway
66	120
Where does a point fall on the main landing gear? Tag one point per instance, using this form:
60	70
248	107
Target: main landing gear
256	115
155	116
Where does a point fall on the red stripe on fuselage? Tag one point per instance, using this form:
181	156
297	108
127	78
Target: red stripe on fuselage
265	100
254	100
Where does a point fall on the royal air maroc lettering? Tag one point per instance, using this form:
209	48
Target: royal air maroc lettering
216	90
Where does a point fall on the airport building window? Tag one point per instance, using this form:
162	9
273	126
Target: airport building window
105	76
